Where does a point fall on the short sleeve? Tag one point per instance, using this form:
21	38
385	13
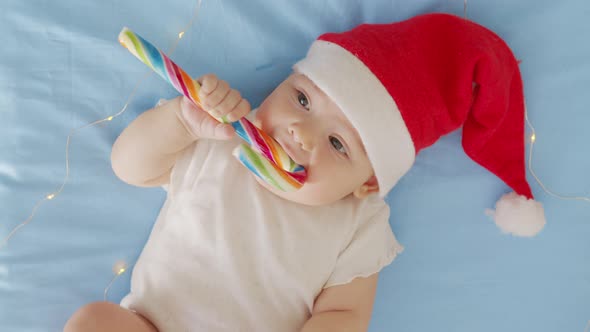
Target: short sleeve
187	166
372	247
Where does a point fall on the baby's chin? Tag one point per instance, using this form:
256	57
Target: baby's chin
300	196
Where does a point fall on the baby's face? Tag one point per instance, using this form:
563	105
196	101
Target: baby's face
315	134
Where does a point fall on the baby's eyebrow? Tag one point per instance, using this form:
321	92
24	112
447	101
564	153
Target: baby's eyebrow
309	83
358	141
362	147
352	133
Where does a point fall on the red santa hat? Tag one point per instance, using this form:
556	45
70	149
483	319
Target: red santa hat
404	85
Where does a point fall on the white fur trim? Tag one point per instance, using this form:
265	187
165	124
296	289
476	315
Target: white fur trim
517	215
367	105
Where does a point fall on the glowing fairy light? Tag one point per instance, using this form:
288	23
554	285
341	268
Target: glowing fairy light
530	162
73	132
118	269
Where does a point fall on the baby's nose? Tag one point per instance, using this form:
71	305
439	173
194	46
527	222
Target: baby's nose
302	137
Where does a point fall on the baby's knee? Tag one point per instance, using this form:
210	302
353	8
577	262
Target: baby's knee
106	316
87	317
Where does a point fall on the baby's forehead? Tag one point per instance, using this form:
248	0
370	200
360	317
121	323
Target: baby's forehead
302	79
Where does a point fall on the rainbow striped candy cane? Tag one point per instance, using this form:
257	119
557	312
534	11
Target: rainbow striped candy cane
263	155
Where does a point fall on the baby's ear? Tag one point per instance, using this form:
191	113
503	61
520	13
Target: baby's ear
369	187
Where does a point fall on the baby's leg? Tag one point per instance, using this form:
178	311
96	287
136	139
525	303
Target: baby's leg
106	316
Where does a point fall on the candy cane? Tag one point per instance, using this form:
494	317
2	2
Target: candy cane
263	155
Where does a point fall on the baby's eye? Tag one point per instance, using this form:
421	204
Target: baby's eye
337	144
302	98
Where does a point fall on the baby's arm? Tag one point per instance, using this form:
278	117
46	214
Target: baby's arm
147	149
345	307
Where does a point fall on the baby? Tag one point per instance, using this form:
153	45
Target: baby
230	253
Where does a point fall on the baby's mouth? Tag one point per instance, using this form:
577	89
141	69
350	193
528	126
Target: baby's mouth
291	151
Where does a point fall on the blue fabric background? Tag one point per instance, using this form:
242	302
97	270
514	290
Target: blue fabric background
62	67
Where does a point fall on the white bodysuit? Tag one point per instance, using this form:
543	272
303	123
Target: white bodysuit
225	254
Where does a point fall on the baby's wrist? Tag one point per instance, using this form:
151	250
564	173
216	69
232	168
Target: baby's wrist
182	113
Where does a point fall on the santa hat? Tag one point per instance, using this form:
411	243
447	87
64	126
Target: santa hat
404	85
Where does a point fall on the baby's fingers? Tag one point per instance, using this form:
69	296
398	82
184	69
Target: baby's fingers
211	128
214	98
227	105
240	111
208	84
202	125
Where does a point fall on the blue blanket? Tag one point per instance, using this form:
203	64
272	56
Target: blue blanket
61	67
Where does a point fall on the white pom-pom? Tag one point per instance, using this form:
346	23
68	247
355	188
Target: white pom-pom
517	215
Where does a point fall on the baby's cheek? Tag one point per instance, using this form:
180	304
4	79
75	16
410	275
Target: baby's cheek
263	119
334	185
257	122
341	184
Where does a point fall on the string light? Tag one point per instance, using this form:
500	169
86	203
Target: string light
533	139
465	9
118	269
74	131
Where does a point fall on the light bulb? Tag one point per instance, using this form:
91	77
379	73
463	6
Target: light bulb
120	267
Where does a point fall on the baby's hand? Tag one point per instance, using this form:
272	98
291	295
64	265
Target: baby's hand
217	99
